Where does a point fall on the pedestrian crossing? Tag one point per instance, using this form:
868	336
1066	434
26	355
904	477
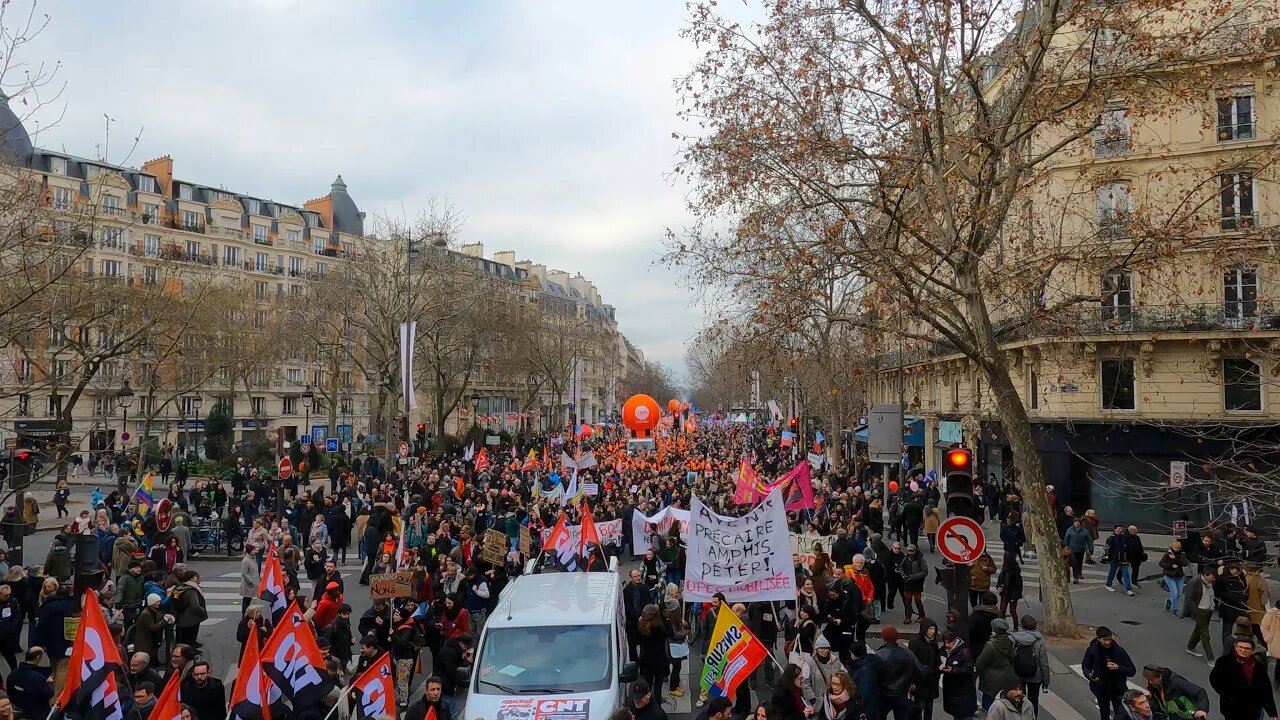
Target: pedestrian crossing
222	596
1092	577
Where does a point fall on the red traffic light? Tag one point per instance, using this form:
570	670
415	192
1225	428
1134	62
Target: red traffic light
958	459
24	455
422	427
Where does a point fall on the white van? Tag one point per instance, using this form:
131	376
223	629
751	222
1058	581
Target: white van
554	648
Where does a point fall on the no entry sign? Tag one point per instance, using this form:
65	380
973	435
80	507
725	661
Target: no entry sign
164	515
960	539
285	470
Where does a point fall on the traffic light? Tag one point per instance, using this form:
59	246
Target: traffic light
959	485
793	423
422	434
20	469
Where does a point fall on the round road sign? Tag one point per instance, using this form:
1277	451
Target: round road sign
285	469
164	515
306	448
960	539
124	436
404	449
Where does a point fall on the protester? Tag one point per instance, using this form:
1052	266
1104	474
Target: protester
1108	668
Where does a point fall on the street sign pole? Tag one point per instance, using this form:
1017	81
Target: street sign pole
961	541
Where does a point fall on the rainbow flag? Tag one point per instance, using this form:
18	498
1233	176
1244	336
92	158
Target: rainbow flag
144	497
733	655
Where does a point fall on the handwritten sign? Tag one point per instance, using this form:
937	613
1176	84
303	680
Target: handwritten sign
660	522
526	541
494	549
747	558
802	545
391	585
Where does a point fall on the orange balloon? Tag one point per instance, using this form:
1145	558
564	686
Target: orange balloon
673	405
640	413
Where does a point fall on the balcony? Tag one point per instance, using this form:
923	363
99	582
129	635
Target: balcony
175	225
264	241
115	211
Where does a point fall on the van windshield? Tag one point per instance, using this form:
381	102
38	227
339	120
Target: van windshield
545	660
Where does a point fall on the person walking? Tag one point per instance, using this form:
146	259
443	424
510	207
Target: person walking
1198	603
1244	691
959	696
899	671
1257	597
995	664
1011	704
980	574
1271	636
1009	585
1118	560
1031	659
248	577
1173	563
1232	591
1080	544
1107	667
1137	554
914	572
927	647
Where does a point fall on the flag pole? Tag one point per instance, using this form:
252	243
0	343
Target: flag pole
345	692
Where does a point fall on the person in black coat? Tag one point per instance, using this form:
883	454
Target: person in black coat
787	699
458	653
339	524
845	626
1242	685
372	543
926	646
959	686
204	693
29	686
653	634
1108	667
980	623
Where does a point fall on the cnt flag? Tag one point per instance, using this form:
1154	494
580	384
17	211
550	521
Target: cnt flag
733	654
271	588
91	692
168	707
530	463
559	542
482	460
375	691
253	696
590	536
291	658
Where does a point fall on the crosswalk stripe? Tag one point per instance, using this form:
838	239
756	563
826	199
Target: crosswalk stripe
1079	670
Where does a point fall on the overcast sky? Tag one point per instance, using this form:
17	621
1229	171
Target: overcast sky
547	123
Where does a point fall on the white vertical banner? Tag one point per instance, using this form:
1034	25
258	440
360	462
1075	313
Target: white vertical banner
408	337
755	389
747	558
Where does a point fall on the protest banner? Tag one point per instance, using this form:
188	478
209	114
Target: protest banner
802	545
526	541
494	549
747	558
610	533
391	585
642	527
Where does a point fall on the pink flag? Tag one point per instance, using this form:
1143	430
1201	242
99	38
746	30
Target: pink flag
797	487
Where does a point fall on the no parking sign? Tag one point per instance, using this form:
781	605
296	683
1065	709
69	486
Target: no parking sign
960	539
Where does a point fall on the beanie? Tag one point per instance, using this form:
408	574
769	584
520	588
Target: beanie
889	634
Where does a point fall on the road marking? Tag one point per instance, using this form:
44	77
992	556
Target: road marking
1079	670
1057	708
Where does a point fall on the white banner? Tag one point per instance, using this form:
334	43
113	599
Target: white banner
610	533
590	488
408	337
802	545
642	527
747	558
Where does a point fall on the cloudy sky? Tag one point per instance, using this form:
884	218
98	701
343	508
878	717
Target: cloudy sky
547	123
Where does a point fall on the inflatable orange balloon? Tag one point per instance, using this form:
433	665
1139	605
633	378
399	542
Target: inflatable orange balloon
640	414
673	405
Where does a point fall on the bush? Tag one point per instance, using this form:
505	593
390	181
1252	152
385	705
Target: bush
218	434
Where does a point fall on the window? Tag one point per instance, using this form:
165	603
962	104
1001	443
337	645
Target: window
24	405
260	261
344	406
320	268
290	406
1117	296
1241	384
320	244
1033	389
144	405
111	237
1235	115
260	378
295	267
1114	132
257	406
150	276
347	249
111	204
187	406
955	394
348	379
104	405
261	291
146	183
111	268
291	235
1118	384
57	335
977	392
1236	200
150	214
52	405
58	166
192	218
254	207
260	320
230	255
62	198
1108	49
260	234
1240	293
186	192
293	376
193	248
151	245
61	370
1113	206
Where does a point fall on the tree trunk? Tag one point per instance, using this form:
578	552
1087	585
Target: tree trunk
1055	594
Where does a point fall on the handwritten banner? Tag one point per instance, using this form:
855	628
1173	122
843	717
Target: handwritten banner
802	545
391	585
747	558
610	533
642	527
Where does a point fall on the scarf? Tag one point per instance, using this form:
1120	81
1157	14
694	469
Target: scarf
1247	666
834	705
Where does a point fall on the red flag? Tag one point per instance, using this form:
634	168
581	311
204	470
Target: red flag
589	533
530	463
375	690
559	534
90	692
482	460
253	694
292	660
271	587
168	707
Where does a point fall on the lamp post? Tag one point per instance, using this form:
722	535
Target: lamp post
308	397
346	419
196	403
124	398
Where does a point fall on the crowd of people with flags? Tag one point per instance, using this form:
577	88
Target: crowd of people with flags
460	528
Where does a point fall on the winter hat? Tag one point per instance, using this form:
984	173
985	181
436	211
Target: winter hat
671	604
153	599
821	642
1000	626
889	634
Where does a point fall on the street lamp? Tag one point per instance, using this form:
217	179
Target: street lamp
347	419
196	403
124	398
475	409
308	398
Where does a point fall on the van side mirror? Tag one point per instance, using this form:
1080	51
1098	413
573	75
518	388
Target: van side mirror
463	675
630	673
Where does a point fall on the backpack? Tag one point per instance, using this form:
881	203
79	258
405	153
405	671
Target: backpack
1024	660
